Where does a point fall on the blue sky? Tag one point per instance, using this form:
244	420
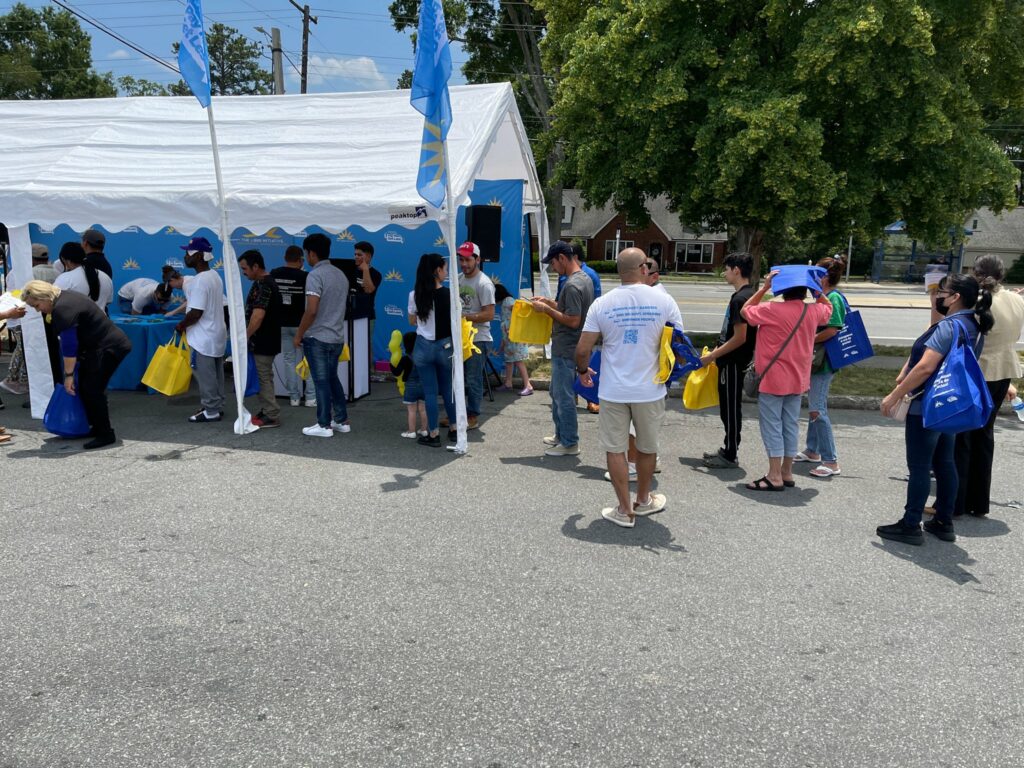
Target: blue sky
354	47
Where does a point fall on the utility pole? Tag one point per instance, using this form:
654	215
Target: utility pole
275	57
306	18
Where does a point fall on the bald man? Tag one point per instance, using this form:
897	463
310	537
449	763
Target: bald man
630	319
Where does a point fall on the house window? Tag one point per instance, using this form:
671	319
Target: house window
694	253
609	248
567	212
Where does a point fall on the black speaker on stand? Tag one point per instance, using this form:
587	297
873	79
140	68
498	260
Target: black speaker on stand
483	227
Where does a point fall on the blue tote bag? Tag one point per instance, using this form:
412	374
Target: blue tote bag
851	344
252	382
590	393
65	414
957	398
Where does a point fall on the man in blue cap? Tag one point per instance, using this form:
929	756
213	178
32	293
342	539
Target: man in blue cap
204	327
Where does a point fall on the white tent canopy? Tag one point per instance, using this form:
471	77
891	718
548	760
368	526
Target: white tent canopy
330	160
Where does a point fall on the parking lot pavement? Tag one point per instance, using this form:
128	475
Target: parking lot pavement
195	598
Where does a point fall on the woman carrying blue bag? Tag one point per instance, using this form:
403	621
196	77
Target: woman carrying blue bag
965	307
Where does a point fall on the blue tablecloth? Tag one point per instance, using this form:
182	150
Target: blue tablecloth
146	333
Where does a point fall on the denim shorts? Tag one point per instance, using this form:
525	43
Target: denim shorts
413	392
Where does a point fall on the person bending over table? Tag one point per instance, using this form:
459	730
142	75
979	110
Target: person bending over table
143	296
88	341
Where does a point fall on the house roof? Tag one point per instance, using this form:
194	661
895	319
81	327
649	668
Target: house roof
586	223
994	233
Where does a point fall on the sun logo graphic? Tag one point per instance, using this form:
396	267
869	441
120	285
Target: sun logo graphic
495	201
170	231
440	241
346	235
394	276
130	264
217	264
271	234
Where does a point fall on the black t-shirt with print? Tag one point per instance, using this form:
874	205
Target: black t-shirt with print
744	354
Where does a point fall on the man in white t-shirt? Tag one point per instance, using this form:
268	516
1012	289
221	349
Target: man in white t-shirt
203	326
630	320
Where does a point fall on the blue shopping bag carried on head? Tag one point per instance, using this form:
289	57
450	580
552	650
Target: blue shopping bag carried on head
957	398
590	393
851	345
252	381
65	414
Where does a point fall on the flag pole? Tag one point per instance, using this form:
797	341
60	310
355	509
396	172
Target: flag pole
458	372
239	342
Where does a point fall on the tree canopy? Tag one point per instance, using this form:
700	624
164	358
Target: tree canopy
45	54
786	118
234	65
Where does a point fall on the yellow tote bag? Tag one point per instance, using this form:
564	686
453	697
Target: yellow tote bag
303	369
469	332
701	389
345	355
170	372
666	357
529	326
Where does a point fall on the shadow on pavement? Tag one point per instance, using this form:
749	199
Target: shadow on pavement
980	527
940	557
558	464
791	497
648	535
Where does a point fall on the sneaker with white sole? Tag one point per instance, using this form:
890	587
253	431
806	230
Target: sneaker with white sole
295	401
410	435
310	403
14	387
550	440
655	503
613	515
317	431
343	428
563	450
632	474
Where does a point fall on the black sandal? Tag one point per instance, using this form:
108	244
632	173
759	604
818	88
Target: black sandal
767	485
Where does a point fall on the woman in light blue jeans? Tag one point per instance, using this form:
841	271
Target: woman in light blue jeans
821	443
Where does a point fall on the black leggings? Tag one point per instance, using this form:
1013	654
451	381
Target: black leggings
94	371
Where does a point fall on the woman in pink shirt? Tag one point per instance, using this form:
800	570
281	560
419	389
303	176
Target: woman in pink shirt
787	378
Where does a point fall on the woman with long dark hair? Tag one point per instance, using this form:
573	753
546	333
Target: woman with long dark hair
821	443
80	277
1000	364
430	311
965	309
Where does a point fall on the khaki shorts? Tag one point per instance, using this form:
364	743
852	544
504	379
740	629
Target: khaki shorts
613	425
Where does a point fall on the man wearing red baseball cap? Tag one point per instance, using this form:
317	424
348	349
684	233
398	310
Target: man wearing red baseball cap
477	293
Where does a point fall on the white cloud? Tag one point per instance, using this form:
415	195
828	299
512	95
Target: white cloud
120	53
354	74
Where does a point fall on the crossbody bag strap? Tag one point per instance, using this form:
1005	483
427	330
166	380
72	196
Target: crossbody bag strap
786	342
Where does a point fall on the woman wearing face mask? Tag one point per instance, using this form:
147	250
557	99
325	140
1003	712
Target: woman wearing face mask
964	306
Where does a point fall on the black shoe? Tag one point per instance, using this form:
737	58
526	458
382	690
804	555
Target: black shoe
942	531
453	435
900	532
100	441
433	442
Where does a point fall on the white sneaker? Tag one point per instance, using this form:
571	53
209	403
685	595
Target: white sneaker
296	401
655	503
410	435
550	440
317	431
563	450
310	403
612	515
344	428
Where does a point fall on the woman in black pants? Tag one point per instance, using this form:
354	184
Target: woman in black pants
88	340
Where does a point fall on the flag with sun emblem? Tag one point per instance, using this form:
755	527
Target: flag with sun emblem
429	97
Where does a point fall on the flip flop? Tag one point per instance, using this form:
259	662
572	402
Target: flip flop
803	457
789	483
823	471
5	439
763	484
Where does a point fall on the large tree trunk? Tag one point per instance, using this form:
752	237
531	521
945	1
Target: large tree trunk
553	196
750	239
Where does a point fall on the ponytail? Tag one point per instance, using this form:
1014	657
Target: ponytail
973	296
983	311
93	280
73	253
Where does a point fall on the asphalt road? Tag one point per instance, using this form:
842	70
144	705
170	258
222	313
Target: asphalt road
193	598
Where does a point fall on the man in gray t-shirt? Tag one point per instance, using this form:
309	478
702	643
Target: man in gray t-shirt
321	334
477	293
568	315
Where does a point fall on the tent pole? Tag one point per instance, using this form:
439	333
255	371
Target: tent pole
458	375
233	283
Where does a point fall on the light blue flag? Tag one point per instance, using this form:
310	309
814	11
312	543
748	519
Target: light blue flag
193	60
429	97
